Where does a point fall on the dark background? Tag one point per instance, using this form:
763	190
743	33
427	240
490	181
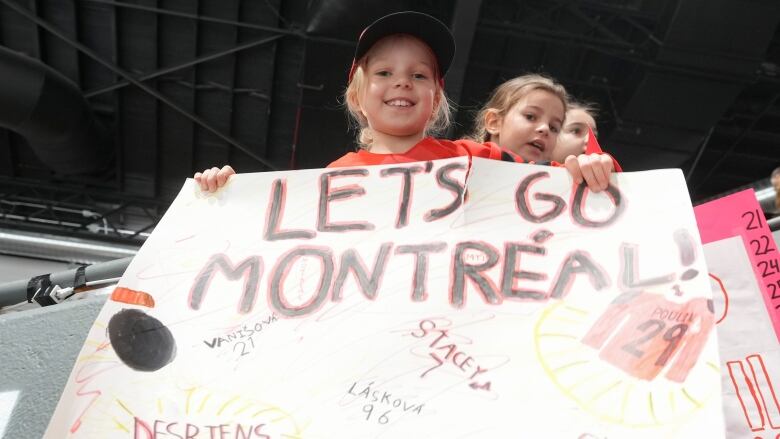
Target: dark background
169	87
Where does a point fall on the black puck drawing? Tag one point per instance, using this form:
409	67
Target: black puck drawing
141	341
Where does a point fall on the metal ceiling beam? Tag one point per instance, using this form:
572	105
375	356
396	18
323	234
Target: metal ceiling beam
160	11
539	14
746	156
289	32
57	190
547	34
194	62
736	142
463	25
699	153
7	156
127	76
231	121
601	46
648	33
613	8
757	135
595	24
118	218
600	85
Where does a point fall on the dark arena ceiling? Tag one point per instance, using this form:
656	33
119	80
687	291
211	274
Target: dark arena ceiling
107	106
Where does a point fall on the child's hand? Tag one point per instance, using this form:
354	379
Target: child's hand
594	168
212	179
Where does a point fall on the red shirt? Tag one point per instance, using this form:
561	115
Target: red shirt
434	149
429	149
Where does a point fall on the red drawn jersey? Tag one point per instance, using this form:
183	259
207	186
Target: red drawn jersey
649	333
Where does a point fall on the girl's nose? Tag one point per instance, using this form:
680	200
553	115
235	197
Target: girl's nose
403	82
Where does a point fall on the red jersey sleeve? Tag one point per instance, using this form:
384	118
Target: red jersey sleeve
612	317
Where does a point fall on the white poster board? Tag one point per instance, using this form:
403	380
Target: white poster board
408	301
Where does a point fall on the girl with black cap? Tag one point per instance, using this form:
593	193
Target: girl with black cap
396	96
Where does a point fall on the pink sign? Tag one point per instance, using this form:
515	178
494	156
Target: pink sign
740	214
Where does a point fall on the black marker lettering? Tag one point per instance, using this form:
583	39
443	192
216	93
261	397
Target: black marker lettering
511	272
579	197
328	194
250	269
578	262
281	271
445	180
276	213
420	252
629	270
521	200
405	199
461	270
369	284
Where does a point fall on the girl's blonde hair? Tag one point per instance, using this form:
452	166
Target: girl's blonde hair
437	124
506	95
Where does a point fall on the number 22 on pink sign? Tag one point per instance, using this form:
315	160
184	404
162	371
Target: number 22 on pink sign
764	258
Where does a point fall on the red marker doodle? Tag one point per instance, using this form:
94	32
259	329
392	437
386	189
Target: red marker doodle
133	297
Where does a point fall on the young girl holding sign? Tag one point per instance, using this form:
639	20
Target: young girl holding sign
526	115
396	95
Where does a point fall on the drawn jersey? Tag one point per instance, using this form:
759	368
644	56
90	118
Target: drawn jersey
649	333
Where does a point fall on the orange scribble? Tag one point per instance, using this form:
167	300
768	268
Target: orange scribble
133	297
725	297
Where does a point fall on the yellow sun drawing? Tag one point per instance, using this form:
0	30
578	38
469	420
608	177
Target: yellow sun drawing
606	392
153	405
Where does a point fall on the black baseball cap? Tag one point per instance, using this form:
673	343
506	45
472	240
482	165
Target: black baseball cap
430	30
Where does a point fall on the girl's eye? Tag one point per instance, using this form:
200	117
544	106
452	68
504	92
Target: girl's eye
576	131
382	73
555	129
419	76
530	117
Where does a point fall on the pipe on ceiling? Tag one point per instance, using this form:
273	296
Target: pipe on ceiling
49	111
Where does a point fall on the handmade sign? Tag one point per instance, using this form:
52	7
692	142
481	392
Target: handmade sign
743	263
439	300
